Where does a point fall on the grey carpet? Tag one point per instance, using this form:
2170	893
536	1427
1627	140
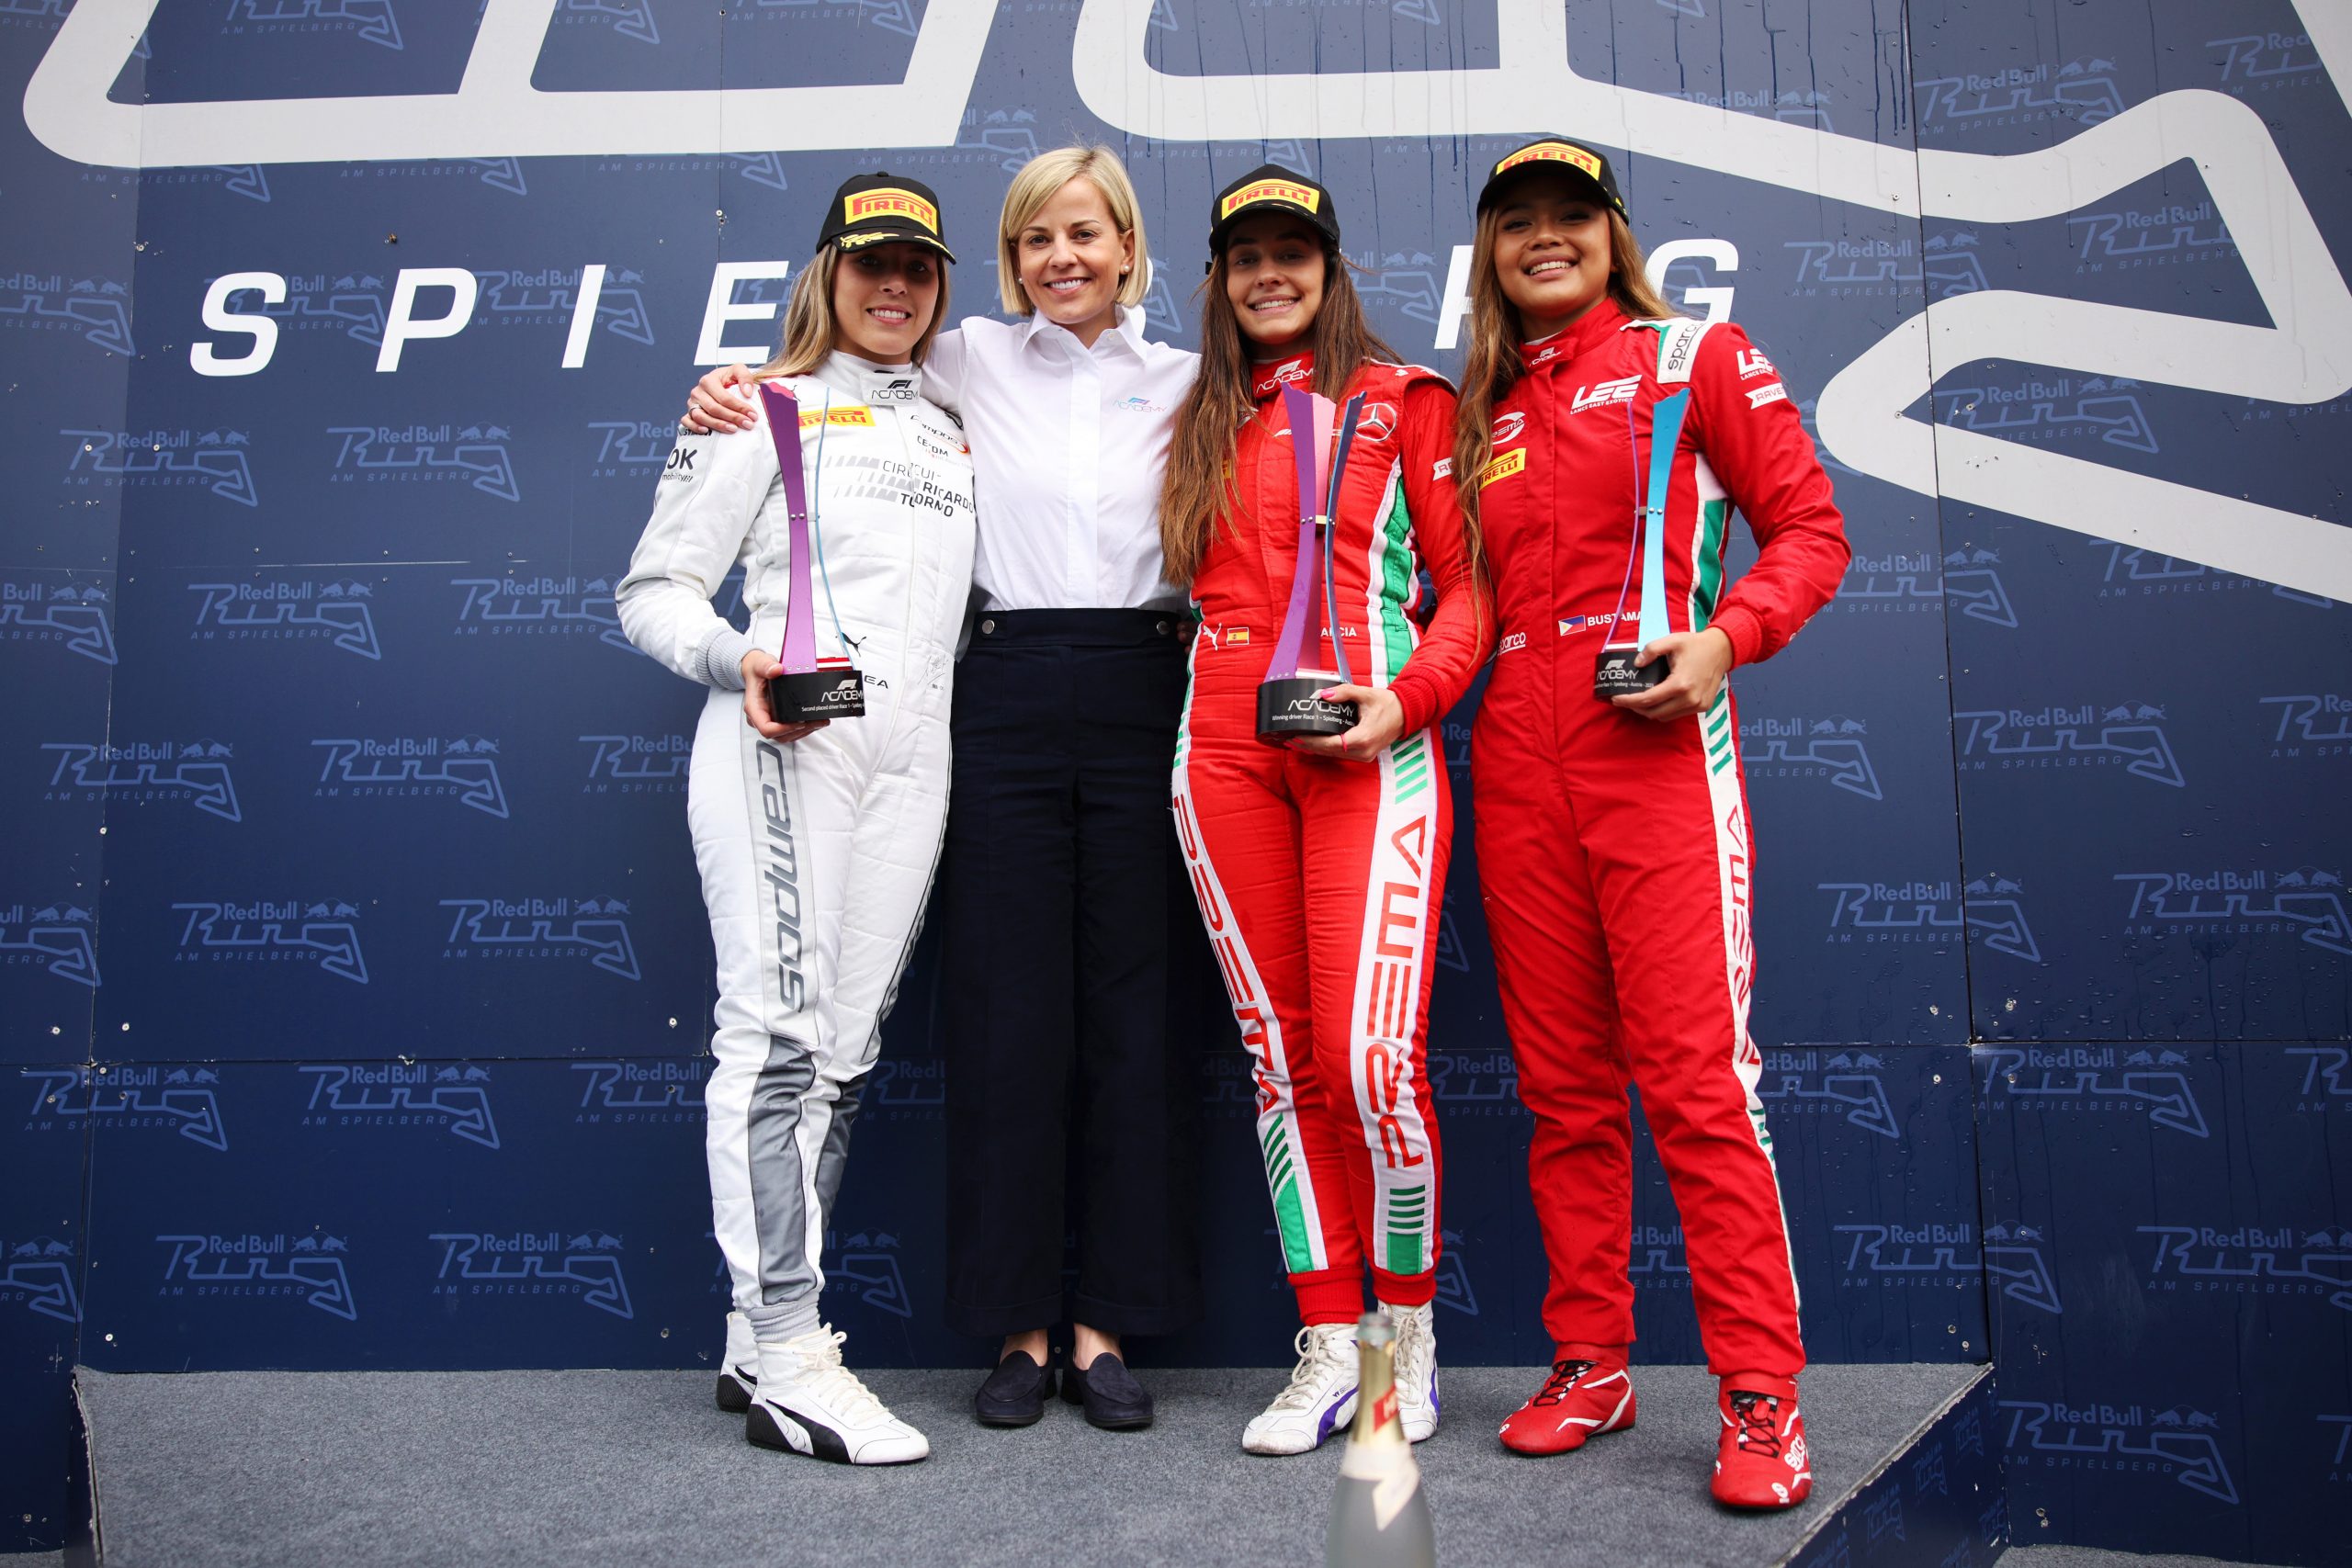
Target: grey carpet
591	1468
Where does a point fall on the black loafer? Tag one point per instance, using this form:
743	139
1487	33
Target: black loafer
1113	1400
1015	1393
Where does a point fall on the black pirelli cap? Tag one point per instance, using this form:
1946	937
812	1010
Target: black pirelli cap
870	209
1580	164
1270	187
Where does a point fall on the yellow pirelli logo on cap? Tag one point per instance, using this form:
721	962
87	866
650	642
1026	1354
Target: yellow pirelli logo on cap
1271	190
1552	153
1503	467
889	201
853	414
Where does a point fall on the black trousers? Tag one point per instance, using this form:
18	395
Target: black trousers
1078	981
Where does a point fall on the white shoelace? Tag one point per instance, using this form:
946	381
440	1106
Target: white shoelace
1321	1347
1415	1346
821	1370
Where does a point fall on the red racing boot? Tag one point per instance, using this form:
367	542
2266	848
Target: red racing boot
1760	1459
1587	1394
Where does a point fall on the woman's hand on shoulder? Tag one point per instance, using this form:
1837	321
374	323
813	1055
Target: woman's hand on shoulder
720	403
758	665
1380	719
1700	660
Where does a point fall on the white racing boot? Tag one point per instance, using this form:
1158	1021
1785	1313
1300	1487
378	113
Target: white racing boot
809	1402
1416	1368
1320	1399
738	1374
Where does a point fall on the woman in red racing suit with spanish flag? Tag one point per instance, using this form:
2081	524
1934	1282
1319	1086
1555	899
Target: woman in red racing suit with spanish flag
1603	444
1321	865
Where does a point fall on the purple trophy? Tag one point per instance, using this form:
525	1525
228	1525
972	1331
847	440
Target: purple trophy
1287	704
807	688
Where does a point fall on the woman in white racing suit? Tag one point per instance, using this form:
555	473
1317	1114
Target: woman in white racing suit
816	841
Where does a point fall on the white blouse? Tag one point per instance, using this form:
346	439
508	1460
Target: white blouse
1068	445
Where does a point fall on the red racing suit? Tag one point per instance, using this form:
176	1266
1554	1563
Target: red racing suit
1614	853
1321	881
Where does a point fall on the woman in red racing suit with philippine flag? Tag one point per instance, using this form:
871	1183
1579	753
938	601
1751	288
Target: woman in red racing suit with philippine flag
1603	444
1319	865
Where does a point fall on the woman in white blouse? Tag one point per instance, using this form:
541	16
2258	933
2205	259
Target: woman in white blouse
1077	983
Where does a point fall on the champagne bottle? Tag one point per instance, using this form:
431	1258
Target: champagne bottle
1380	1516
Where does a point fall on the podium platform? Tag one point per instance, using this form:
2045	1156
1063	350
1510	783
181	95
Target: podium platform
593	1468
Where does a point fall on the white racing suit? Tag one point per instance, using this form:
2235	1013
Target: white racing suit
816	855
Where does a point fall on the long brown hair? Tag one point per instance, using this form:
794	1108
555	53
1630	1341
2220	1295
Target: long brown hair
1198	490
810	331
1493	366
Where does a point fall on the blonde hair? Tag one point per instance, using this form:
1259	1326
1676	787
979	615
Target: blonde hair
810	329
1493	365
1035	185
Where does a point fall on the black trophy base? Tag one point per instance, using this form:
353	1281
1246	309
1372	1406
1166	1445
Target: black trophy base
808	695
1614	673
1288	708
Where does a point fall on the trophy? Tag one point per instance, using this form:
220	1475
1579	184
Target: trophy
1287	704
807	688
1380	1514
1614	674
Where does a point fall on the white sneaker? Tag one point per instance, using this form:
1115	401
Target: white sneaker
1321	1397
738	1374
809	1402
1416	1368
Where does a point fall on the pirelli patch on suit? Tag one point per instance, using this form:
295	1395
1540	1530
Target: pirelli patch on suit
1502	467
852	414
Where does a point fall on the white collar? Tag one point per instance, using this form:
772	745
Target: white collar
1127	323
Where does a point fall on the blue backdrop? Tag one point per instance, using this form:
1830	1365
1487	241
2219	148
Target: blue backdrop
353	977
